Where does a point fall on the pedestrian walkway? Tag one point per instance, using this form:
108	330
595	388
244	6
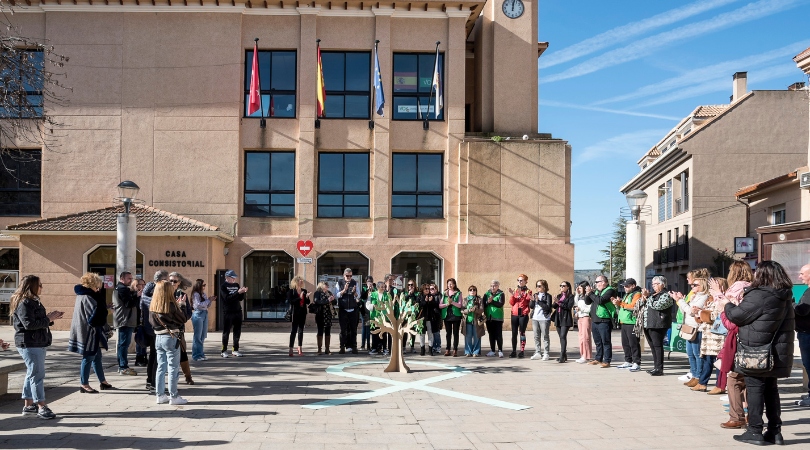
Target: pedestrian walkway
269	400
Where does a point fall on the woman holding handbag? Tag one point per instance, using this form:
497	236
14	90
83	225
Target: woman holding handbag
766	333
298	300
710	343
688	306
167	321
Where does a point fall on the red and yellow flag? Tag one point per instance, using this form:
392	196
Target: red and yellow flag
321	87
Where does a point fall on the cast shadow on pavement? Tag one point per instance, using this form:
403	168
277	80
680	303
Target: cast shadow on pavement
95	441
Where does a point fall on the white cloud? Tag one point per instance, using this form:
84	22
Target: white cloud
606	110
711	73
649	45
628	145
625	32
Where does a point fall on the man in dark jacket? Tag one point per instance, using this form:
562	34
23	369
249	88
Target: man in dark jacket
125	319
602	311
348	293
803	328
231	296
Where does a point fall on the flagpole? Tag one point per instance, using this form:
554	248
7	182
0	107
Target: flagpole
317	82
374	84
262	122
426	124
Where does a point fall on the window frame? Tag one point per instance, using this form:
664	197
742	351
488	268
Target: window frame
343	193
395	95
7	171
270	191
344	93
417	193
271	92
39	110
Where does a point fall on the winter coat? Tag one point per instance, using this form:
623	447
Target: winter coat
520	301
802	310
562	315
429	305
474	313
146	301
658	313
31	324
87	326
299	305
125	303
759	316
596	298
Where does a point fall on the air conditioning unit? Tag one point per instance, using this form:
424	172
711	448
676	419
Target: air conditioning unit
804	180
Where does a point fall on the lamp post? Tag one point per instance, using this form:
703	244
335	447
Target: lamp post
126	229
634	243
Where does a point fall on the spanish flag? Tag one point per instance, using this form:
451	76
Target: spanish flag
321	88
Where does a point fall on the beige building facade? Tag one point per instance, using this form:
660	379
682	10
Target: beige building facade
158	96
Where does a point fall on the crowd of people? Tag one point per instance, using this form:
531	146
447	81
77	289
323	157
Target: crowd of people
741	327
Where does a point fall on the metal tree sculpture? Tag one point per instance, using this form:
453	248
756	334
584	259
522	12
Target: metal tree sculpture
399	320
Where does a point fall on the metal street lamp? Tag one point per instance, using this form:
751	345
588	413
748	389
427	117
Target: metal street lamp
634	238
636	200
126	229
127	191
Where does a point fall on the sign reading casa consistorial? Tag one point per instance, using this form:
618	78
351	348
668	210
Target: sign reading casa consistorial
177	260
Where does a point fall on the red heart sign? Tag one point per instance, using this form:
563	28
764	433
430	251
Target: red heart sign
304	247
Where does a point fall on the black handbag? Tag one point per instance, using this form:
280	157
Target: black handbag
288	314
755	360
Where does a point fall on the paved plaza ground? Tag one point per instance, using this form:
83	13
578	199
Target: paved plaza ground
269	400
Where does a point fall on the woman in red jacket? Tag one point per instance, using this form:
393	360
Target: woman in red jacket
521	297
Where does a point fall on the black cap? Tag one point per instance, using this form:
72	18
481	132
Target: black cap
629	281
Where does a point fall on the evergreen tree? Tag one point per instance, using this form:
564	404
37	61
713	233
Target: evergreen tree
619	259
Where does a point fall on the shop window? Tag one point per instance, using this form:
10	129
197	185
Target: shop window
422	267
20	182
332	264
413	80
267	276
9	278
343	186
270	184
347	78
22	83
277	78
417	186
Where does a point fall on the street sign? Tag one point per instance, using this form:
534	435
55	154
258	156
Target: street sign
304	260
304	247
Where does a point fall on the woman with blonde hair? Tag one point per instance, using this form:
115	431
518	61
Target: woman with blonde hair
710	343
167	320
32	337
180	285
87	333
298	300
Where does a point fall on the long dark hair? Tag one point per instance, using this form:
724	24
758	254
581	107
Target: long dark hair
198	288
559	296
771	274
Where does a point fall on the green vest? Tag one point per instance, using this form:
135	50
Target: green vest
607	310
626	315
493	312
470	302
446	300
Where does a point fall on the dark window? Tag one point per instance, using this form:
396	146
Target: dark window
347	77
22	80
343	185
277	73
413	79
270	184
417	186
20	182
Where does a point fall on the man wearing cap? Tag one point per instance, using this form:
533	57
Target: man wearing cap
627	319
231	296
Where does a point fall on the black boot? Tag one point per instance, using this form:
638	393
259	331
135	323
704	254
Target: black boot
422	352
751	437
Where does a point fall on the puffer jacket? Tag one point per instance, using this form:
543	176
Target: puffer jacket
758	316
31	324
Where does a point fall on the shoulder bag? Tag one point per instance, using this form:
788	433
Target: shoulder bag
718	327
688	332
759	359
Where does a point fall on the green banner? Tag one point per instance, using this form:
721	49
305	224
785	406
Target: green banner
676	342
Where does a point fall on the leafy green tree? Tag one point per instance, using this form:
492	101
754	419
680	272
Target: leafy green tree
619	258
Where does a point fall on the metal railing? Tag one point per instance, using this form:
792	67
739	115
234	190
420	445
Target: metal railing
671	254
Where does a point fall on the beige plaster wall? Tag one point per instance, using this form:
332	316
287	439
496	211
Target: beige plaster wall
761	206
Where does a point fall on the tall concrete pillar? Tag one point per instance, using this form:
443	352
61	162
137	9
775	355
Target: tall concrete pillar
635	251
125	248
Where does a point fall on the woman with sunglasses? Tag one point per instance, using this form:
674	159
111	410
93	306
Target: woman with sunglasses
493	308
199	319
180	284
433	317
563	318
473	323
583	324
451	314
688	306
519	301
541	316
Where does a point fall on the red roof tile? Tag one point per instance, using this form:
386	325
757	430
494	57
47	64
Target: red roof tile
149	219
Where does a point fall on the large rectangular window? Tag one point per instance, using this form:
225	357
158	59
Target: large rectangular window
413	79
347	78
20	182
277	75
343	186
270	184
417	186
22	78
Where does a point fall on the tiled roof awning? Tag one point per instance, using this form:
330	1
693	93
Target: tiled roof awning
150	221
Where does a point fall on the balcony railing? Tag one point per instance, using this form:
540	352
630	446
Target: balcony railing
672	254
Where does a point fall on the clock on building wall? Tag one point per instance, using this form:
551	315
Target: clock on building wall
513	8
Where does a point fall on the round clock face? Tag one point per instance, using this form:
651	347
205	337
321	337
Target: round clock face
513	8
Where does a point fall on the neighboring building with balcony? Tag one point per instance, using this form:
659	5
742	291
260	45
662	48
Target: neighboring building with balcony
692	174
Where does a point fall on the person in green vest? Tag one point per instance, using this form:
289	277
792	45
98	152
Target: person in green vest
451	314
494	299
630	342
602	312
412	295
473	323
364	315
374	305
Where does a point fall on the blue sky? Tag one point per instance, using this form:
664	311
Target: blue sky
619	75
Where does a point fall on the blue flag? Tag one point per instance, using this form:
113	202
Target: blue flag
379	96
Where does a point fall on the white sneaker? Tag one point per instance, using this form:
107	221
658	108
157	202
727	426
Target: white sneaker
237	354
804	396
581	361
177	401
203	359
626	365
373	351
500	354
545	356
162	399
635	368
348	349
224	354
491	354
536	356
686	377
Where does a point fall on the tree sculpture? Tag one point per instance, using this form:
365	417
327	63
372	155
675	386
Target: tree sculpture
399	320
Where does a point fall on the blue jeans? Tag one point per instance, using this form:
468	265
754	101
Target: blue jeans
437	341
601	339
34	381
472	343
693	352
124	339
804	347
93	361
168	360
365	336
707	366
199	320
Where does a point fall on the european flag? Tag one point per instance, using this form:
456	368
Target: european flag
379	96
